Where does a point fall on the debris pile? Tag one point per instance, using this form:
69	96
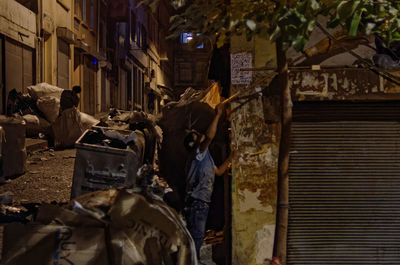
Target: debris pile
103	228
40	109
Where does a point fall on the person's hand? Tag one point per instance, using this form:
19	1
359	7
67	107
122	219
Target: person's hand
220	109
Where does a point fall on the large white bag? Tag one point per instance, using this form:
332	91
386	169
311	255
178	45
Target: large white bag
44	90
50	106
70	126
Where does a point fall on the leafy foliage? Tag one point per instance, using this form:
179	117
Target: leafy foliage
290	20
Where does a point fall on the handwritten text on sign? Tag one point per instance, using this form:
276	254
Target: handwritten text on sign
241	61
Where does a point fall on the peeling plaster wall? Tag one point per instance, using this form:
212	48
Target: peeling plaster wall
254	183
341	84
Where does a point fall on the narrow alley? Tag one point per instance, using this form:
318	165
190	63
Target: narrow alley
157	132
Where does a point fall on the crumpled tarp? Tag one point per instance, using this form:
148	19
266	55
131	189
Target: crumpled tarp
102	228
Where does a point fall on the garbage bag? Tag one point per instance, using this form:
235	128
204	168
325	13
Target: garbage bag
87	121
49	106
35	125
43	90
67	128
385	61
20	103
13	149
70	126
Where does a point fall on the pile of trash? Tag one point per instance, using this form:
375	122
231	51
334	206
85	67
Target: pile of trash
136	121
110	138
40	110
128	226
109	156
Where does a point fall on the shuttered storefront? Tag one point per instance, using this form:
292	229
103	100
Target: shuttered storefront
89	84
345	184
19	66
63	64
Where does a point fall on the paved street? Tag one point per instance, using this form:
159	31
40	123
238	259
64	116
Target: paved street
48	178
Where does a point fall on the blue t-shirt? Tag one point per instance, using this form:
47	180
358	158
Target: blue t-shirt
200	179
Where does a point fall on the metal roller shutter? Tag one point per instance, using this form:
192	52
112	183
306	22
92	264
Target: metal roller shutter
19	66
345	184
63	64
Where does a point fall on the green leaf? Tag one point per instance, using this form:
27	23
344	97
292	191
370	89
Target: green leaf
314	5
311	25
346	9
277	32
355	22
299	43
396	36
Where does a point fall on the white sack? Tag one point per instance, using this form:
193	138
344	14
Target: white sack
50	106
44	90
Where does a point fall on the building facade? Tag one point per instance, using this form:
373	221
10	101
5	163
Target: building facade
18	49
142	59
114	50
315	180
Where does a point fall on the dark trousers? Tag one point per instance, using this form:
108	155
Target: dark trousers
196	212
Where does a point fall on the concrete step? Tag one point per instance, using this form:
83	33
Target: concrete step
33	144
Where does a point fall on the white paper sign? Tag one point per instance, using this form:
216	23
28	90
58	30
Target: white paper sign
240	61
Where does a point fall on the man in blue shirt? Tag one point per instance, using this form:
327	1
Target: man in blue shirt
200	179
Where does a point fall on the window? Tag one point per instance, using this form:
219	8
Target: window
186	37
138	85
102	39
84	15
151	26
91	18
77	7
138	35
144	37
133	27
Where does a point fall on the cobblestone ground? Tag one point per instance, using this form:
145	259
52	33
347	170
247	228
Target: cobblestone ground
48	178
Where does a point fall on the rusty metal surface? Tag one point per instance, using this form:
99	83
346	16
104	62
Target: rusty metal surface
341	84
